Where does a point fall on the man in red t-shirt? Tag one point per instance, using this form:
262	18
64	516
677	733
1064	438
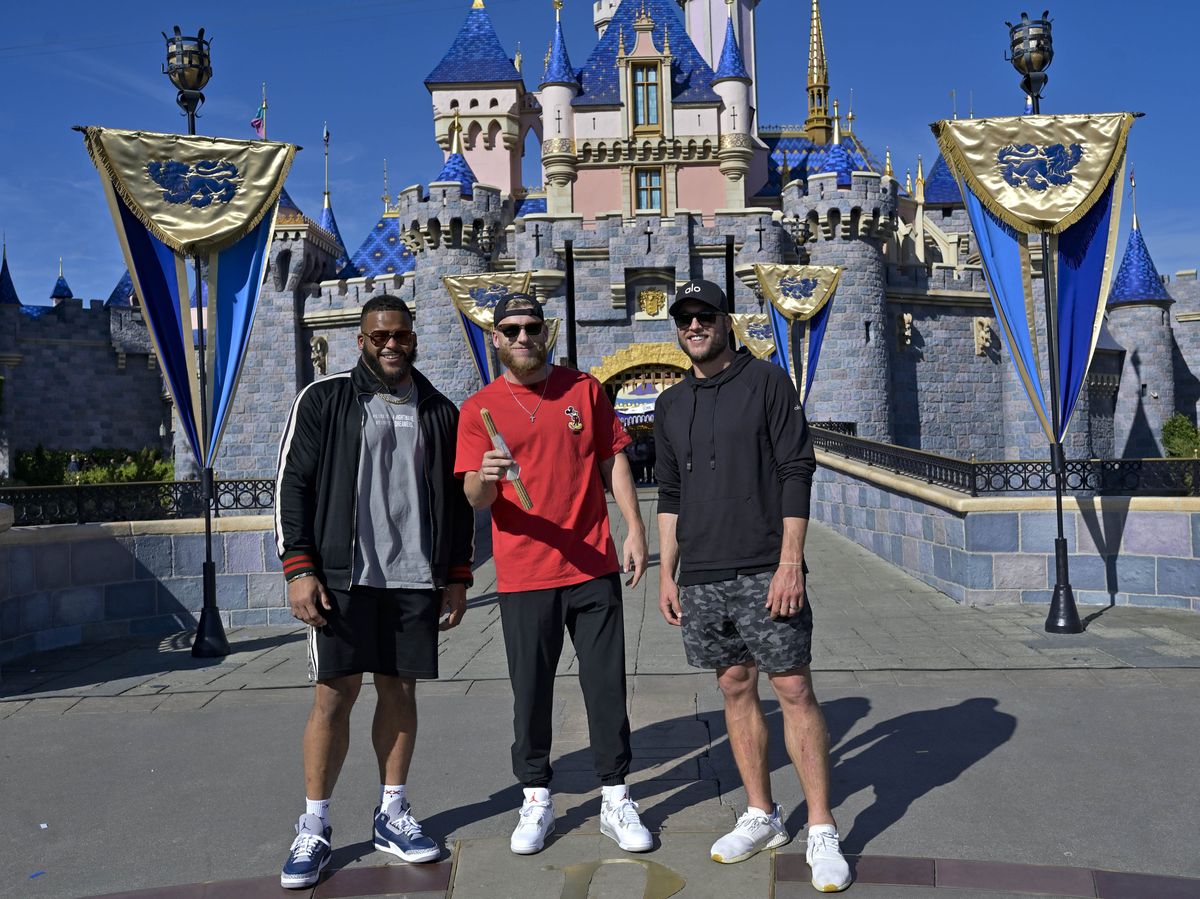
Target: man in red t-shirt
555	562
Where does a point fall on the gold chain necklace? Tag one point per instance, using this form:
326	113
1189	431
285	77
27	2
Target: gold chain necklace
532	415
391	399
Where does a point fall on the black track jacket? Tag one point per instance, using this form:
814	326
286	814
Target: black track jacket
316	487
735	458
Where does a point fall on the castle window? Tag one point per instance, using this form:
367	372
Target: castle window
645	97
648	184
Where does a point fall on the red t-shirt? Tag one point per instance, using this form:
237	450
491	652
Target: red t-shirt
564	539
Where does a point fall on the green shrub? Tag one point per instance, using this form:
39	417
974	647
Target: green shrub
1180	437
43	467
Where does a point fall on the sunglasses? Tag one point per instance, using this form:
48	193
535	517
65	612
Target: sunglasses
684	319
380	339
510	332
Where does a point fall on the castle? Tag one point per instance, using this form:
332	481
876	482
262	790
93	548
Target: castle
652	154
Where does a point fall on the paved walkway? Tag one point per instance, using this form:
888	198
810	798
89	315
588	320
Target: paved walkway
973	755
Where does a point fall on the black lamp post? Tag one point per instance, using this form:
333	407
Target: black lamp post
189	68
1032	50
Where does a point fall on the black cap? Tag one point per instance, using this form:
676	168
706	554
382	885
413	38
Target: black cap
502	311
702	292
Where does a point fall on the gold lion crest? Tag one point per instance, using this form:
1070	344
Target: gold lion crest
652	302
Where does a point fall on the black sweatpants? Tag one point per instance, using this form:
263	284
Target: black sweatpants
533	624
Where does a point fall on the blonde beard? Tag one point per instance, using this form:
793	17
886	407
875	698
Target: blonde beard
526	365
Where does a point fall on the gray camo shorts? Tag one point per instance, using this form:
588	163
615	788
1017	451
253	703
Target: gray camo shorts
726	623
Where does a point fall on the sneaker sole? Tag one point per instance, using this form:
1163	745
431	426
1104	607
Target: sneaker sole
633	847
532	850
413	858
781	840
299	882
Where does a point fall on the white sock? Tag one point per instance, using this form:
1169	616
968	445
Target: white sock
614	794
318	807
391	796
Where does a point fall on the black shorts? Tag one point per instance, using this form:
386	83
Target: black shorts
726	623
379	631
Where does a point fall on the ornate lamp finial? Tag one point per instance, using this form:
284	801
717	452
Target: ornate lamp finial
887	163
558	5
837	124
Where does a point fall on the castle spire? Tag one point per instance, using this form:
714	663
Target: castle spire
731	65
1133	197
325	139
8	292
817	125
920	194
850	114
558	63
387	195
478	4
456	144
837	124
887	163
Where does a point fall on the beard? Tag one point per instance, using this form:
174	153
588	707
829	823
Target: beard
523	365
403	366
716	346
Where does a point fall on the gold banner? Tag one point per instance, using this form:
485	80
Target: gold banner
1036	173
476	296
754	330
797	291
195	194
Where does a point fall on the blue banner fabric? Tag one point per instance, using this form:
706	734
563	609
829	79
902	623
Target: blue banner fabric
478	341
816	337
783	340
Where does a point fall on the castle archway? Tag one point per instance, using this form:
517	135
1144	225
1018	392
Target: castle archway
634	376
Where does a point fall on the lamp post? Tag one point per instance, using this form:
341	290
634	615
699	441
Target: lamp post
189	68
1032	50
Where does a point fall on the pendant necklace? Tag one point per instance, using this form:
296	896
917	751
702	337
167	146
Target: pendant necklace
532	415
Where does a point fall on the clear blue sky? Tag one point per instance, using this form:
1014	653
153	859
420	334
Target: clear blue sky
360	63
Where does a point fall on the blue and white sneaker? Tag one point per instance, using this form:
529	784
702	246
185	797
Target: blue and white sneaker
309	855
401	835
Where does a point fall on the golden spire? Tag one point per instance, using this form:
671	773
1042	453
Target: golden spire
666	51
478	4
518	58
621	45
908	181
817	125
785	169
456	144
837	124
920	195
887	163
850	114
558	5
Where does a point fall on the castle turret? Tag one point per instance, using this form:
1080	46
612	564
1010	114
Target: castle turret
706	22
1140	320
8	291
558	89
478	81
849	214
327	220
122	294
817	127
62	290
733	85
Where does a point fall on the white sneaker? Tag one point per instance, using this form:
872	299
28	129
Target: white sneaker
535	824
754	832
830	873
619	821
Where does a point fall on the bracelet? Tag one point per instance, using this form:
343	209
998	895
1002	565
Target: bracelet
792	564
296	577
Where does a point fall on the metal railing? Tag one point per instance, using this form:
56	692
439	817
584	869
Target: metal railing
146	501
1145	477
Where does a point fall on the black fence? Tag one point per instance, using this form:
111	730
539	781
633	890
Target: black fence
1144	477
133	502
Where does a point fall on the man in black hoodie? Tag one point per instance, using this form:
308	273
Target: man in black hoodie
734	468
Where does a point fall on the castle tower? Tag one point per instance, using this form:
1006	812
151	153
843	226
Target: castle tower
817	126
734	86
62	290
1139	318
850	215
706	22
477	81
558	89
452	228
602	13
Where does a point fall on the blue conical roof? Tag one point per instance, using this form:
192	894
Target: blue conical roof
62	290
8	291
1137	279
329	223
475	56
558	66
837	160
940	187
122	294
381	253
731	66
457	169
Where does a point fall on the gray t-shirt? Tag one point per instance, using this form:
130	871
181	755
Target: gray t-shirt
392	521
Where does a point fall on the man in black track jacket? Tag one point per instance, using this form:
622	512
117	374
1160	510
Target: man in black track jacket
734	468
376	539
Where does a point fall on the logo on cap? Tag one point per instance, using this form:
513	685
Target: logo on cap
693	287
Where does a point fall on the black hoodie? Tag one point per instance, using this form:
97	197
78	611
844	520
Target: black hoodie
735	458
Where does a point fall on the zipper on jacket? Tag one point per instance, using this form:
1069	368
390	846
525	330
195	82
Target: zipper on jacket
362	423
429	495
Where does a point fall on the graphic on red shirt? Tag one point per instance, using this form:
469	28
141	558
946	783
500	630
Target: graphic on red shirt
565	538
